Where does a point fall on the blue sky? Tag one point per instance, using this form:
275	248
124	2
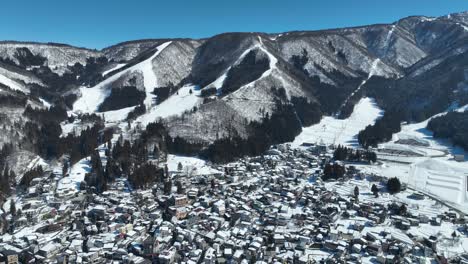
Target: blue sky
100	23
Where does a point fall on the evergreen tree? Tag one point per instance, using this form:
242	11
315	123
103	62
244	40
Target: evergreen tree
356	192
402	210
375	190
65	168
180	189
393	185
168	187
12	208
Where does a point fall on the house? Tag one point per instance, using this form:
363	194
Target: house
167	256
9	257
180	200
49	250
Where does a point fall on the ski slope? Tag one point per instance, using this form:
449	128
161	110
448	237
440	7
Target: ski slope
118	66
10	83
117	116
419	133
92	97
175	105
331	130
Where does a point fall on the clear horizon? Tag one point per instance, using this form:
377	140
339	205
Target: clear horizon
98	25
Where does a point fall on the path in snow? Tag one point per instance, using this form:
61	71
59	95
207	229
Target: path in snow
11	83
92	97
373	71
176	104
118	66
331	130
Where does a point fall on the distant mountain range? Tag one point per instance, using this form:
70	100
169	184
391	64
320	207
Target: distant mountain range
236	88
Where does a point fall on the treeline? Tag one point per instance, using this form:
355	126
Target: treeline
382	130
12	98
333	171
138	111
42	134
121	97
163	93
31	174
453	125
90	73
355	155
7	178
55	113
76	75
249	69
282	126
84	144
125	159
308	112
330	96
5	173
25	59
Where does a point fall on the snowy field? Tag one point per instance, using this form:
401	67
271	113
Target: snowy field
331	130
175	105
426	164
71	183
190	165
413	155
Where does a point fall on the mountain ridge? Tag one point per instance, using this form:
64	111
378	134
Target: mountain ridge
241	84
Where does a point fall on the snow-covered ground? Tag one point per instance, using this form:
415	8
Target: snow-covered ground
176	104
118	66
428	166
426	206
190	165
331	130
71	183
442	178
11	83
116	116
92	97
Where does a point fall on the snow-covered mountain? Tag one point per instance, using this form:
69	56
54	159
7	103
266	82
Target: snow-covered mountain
235	84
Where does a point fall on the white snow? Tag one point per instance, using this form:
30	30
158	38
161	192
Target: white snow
176	104
92	97
45	103
116	116
77	173
11	83
374	70
429	168
463	26
190	165
272	59
331	130
118	66
445	179
218	83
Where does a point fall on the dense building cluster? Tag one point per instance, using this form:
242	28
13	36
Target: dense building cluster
274	208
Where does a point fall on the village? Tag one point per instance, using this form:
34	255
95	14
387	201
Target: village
275	208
